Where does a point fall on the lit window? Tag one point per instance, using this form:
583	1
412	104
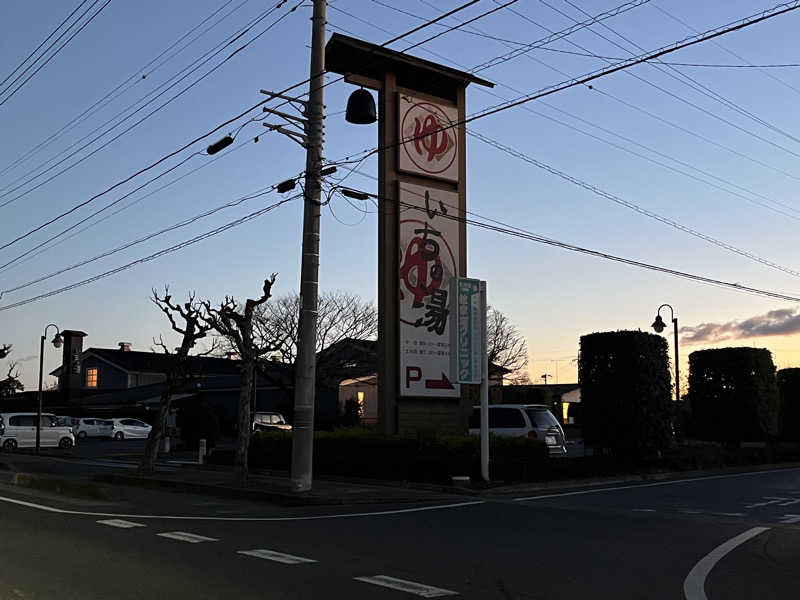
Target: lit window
565	409
91	378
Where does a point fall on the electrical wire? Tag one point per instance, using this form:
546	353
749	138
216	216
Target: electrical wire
623	148
622	8
180	224
52	33
137	77
503	228
147	116
61	47
53	242
681	77
759	17
159	254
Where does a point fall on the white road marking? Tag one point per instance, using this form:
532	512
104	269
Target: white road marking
418	589
378	513
695	582
121	523
723	514
790	502
767	503
643	510
789	519
655	484
286	559
183	536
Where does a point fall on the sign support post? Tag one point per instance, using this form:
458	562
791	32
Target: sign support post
484	388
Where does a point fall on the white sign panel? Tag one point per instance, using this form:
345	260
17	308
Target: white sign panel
467	324
429	258
432	151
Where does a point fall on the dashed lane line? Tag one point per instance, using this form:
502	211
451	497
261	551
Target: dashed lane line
183	536
122	524
286	559
411	587
695	582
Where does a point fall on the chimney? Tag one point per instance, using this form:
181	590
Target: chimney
124	346
71	380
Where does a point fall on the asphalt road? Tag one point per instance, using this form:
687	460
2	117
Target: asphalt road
643	541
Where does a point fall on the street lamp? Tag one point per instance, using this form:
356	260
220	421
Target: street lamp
659	326
57	341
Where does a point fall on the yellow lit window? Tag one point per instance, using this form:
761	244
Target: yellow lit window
91	378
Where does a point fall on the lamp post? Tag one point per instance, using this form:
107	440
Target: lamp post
57	341
659	326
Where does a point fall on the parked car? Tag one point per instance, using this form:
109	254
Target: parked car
84	428
129	428
534	421
270	421
18	430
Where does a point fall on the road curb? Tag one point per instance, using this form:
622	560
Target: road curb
62	487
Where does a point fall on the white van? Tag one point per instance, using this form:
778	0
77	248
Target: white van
18	430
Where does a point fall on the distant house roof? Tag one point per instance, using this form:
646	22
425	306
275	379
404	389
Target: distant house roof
133	361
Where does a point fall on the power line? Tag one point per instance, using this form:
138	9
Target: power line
148	115
586	78
47	246
61	47
631	205
159	254
500	227
731	52
52	33
681	77
623	148
647	112
140	240
558	35
185	146
137	77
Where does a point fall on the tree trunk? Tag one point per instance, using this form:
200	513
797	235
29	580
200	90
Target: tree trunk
147	464
245	424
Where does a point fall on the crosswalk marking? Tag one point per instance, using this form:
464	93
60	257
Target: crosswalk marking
287	559
183	536
121	523
418	589
790	519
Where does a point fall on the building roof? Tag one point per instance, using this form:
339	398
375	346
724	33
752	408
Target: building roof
350	56
134	361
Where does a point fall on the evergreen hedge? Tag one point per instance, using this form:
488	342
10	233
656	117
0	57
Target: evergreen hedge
734	394
789	389
625	392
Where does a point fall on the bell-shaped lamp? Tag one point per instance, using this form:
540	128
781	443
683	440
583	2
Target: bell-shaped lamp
361	108
659	324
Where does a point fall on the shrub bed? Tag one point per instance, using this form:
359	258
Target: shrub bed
364	453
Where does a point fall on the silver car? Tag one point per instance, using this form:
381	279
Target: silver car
534	421
129	428
92	428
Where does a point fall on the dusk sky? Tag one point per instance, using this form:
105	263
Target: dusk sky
721	161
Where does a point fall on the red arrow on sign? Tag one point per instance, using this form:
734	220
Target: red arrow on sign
439	384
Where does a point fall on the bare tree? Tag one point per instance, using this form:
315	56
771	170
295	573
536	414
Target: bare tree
237	328
341	315
507	347
192	329
11	384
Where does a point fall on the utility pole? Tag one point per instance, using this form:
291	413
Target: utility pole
305	369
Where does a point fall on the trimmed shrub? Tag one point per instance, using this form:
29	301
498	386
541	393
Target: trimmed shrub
789	389
625	392
369	454
733	394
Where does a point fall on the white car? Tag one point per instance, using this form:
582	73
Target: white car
18	430
92	428
534	421
129	428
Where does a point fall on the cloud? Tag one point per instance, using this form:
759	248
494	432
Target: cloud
783	321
